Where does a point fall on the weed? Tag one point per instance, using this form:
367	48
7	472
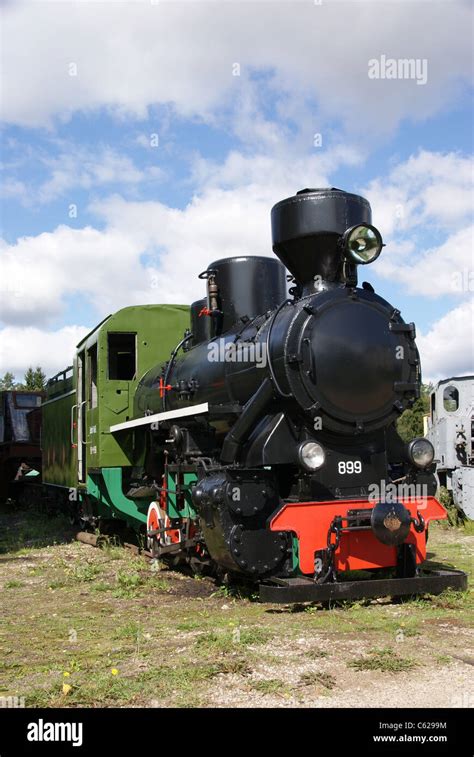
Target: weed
57	584
100	586
325	679
386	660
268	686
158	584
451	599
127	584
315	654
236	591
112	549
85	573
129	631
235	665
225	640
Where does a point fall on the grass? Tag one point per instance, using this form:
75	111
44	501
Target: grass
130	630
57	584
181	642
268	686
86	573
327	680
175	684
227	640
240	591
13	584
100	586
447	600
316	654
385	660
30	529
127	584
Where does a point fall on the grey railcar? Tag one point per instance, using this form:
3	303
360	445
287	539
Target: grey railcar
451	431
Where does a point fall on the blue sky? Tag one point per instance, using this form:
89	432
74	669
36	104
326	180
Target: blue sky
140	141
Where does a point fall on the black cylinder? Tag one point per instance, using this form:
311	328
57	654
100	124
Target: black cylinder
248	286
306	229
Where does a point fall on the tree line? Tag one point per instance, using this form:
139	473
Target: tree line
410	423
34	380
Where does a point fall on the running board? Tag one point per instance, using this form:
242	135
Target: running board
301	589
168	415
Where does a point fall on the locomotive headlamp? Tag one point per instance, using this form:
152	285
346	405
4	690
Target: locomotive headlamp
311	455
421	452
362	244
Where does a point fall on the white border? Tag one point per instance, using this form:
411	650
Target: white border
157	417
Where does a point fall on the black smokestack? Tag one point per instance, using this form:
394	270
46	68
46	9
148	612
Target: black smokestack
306	229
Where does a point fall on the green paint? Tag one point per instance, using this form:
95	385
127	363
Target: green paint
187	511
106	401
158	329
295	555
59	456
106	489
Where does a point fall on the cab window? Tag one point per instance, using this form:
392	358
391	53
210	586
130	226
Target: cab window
122	356
450	399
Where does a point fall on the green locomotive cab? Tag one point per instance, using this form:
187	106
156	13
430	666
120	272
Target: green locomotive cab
87	468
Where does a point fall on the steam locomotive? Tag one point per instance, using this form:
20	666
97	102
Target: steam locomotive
265	447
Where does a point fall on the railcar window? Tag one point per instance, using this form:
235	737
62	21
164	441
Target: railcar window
27	400
433	405
450	399
122	356
93	376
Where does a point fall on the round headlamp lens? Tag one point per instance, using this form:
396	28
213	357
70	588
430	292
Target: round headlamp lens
362	244
421	452
311	455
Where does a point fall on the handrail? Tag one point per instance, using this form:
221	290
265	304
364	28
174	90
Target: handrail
72	424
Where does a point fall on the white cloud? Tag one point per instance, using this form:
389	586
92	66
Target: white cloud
52	350
129	56
38	274
76	167
269	173
433	272
150	252
448	348
80	169
430	188
13	188
424	211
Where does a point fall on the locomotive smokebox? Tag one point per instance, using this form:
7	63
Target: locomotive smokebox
306	230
